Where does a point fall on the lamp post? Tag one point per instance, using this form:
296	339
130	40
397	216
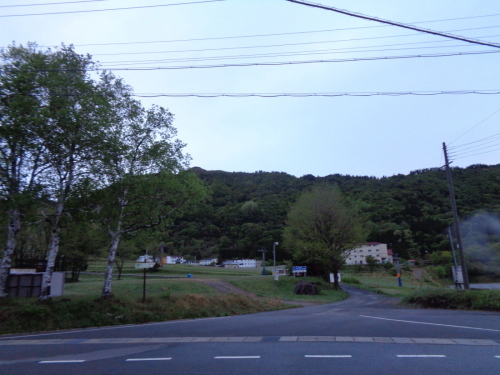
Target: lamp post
263	251
398	270
274	260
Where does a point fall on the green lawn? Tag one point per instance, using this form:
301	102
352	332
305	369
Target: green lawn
180	270
131	287
381	282
264	286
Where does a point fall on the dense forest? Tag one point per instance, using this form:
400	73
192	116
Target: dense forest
247	211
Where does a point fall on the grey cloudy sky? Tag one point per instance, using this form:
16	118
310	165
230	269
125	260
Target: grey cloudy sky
374	135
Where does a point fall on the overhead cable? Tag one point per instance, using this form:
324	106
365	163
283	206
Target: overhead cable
475	126
110	9
480	153
394	23
60	3
266	35
296	44
325	94
479	140
281	63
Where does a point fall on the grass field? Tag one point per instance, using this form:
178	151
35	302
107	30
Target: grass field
263	286
381	282
131	287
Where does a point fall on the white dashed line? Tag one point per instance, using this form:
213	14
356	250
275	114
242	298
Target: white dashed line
431	324
420	356
65	361
328	356
147	359
239	357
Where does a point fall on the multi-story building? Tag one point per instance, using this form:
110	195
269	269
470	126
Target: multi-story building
377	250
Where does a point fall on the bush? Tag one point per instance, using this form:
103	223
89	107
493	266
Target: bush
456	299
350	280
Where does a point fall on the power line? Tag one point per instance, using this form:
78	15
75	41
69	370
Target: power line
297	44
304	61
110	9
480	140
481	153
393	23
60	3
274	54
266	35
475	126
478	148
303	95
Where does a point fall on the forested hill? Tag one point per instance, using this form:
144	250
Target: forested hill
248	211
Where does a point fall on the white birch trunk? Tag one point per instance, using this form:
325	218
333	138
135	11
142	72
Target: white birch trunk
13	234
113	247
54	249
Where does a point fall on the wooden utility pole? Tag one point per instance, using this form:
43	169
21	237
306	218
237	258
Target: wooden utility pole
455	220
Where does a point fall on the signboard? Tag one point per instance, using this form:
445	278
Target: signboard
299	270
144	265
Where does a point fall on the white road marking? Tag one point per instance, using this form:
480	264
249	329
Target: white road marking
328	356
421	356
431	324
239	357
147	359
497	356
65	361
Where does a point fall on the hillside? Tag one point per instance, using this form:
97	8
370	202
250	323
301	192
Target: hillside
247	211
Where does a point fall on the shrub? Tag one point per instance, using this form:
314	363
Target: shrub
350	280
456	299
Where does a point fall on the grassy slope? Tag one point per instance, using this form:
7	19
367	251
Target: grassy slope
264	286
381	282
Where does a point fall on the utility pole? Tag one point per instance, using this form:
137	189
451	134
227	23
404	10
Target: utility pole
455	219
275	275
263	251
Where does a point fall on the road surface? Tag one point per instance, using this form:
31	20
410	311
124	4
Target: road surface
365	334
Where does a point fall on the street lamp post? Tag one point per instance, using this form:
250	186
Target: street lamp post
398	270
263	251
274	260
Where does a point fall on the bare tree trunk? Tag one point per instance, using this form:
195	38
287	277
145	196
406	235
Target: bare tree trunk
13	233
106	290
54	249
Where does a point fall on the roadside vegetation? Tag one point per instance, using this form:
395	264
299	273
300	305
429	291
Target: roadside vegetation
382	279
264	287
21	315
488	300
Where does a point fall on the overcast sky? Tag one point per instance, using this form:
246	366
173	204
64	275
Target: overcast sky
374	135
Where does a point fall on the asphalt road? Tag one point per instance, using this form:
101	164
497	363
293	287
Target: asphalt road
365	334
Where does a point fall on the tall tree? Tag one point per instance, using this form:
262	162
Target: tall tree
76	115
142	167
324	224
20	151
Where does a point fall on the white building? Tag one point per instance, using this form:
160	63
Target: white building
173	259
208	262
240	263
377	250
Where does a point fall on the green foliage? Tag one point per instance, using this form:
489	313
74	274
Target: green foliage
29	316
350	280
322	224
456	299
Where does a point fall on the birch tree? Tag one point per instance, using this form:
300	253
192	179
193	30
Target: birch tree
144	171
76	115
20	151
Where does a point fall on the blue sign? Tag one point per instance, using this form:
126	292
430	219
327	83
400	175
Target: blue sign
299	269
